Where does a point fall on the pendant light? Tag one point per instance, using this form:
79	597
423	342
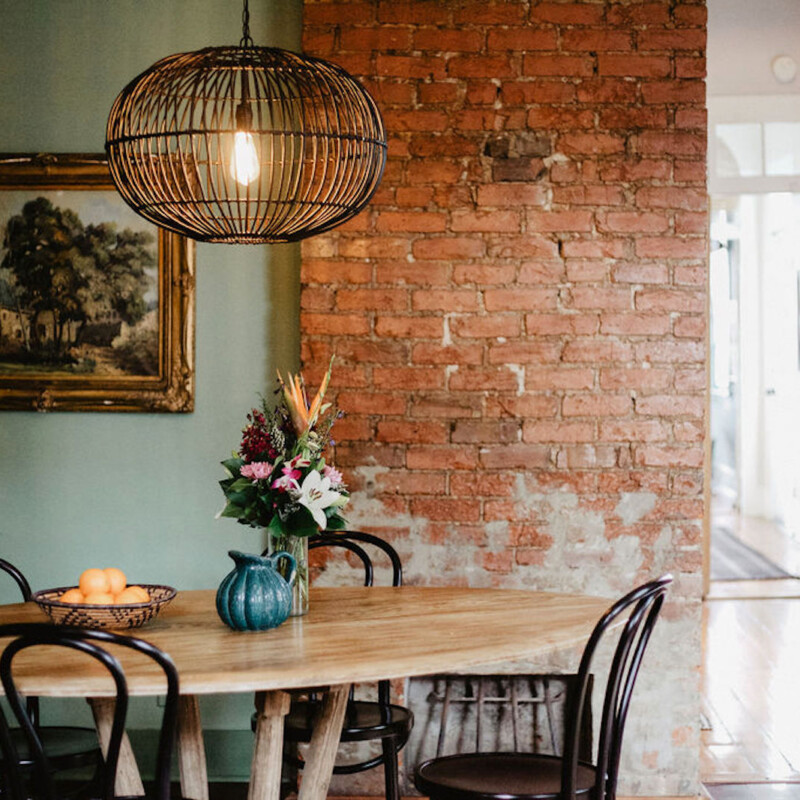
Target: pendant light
245	144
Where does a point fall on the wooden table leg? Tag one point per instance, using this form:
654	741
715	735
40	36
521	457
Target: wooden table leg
265	771
324	743
191	751
129	782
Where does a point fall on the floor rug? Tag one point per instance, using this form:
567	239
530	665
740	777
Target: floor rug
753	791
732	560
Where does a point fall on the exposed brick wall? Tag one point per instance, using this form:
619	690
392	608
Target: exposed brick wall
519	315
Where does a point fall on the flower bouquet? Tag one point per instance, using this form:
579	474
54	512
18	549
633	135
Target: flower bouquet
279	480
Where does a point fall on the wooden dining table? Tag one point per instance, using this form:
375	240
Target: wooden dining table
350	635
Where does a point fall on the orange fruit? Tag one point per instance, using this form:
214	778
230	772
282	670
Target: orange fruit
71	596
133	594
99	599
116	579
93	581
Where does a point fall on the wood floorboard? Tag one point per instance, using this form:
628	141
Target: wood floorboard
751	692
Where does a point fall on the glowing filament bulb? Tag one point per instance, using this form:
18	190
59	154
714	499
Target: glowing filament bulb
244	162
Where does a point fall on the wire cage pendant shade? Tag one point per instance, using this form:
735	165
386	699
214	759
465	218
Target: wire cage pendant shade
245	144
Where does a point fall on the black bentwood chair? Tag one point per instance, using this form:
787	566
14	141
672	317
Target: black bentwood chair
365	720
37	783
525	776
67	747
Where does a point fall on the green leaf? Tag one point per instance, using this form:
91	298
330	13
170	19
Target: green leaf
336	523
232	510
240	484
301	523
233	466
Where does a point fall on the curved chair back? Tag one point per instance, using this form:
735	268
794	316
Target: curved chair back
42	787
636	612
19	578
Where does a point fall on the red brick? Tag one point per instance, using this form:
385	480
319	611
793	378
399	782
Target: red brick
640	273
595	248
522	247
447	509
524	39
317	298
409	379
675	143
690	327
327	271
588	195
514	456
691	222
596	405
485	431
632	222
416	432
633	431
412	274
670	405
390	11
569	221
690	380
442	457
519	299
586	456
634	65
539	91
559	377
360	351
446	300
479	12
448	248
486	274
607	90
375	38
471	379
584	270
373	247
557	65
558	431
635	324
410	66
409	327
568	13
372	299
483	485
467	220
670	351
412	221
684	91
561	324
526	405
591	143
524	352
434	171
670	300
403	483
438	39
371	403
671	197
635	378
427	353
690	67
544	272
357	454
437	93
600	298
638	14
596	350
415	120
451	406
690	275
665	456
596	40
335	324
511	194
666	39
634	118
480	67
696	15
488	327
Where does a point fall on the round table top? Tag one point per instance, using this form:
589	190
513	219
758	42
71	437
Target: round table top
349	635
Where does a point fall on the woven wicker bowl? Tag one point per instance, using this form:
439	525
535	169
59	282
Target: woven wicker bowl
83	615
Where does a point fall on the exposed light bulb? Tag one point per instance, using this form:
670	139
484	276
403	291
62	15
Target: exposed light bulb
244	161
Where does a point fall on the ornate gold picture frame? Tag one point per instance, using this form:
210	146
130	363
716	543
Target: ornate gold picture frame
96	303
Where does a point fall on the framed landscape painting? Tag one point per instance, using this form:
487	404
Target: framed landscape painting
96	303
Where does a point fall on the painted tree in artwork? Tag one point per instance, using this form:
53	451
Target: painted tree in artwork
67	275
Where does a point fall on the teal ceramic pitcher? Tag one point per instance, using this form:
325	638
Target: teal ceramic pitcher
254	596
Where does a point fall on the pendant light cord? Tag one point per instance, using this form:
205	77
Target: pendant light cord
246	40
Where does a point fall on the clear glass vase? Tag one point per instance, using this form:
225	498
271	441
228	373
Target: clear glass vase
296	546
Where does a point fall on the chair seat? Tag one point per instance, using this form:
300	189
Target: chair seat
363	720
64	746
489	776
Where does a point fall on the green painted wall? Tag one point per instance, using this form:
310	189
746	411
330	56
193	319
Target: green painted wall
139	490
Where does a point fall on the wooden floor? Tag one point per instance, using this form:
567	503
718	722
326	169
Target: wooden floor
752	675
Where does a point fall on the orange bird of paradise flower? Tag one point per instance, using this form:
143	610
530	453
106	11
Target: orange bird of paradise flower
303	415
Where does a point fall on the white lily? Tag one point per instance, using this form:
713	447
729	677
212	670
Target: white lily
316	495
